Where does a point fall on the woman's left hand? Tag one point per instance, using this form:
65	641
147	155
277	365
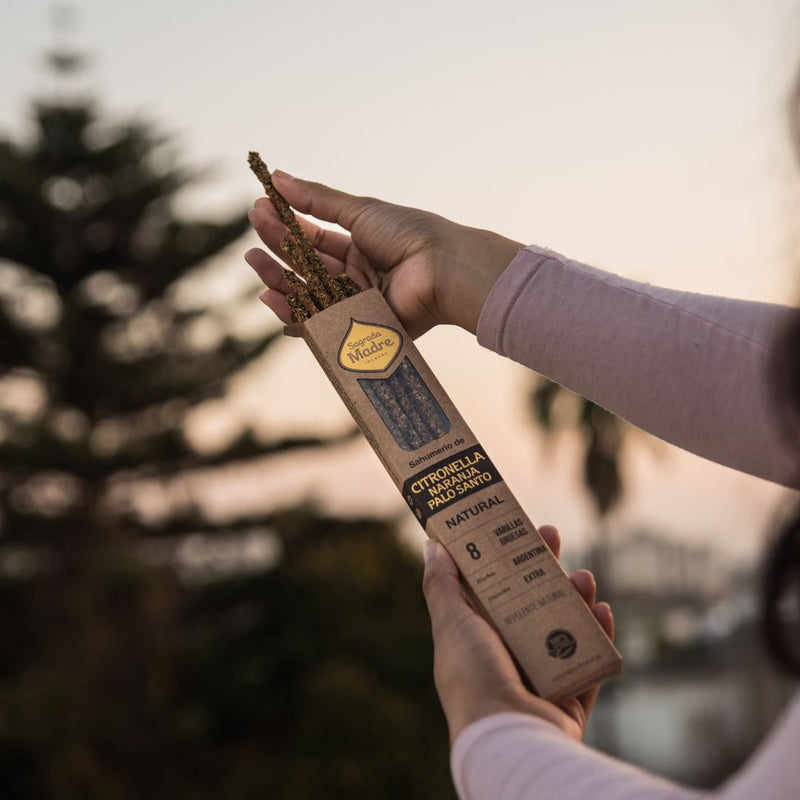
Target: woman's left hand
473	671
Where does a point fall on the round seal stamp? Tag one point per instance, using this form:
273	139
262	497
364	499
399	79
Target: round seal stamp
560	643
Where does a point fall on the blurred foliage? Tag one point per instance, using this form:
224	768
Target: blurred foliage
309	677
90	324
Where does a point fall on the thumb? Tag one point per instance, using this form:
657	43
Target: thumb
321	201
441	587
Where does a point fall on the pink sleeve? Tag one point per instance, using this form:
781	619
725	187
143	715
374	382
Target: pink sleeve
689	368
520	757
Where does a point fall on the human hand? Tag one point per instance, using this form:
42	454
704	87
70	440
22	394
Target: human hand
430	270
473	672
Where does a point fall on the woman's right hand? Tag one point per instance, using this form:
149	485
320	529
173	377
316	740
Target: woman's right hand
431	271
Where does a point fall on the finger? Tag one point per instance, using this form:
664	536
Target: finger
276	301
584	582
267	268
266	224
605	616
552	538
320	201
332	243
588	699
441	587
271	231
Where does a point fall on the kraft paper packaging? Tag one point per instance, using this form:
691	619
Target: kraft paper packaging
458	496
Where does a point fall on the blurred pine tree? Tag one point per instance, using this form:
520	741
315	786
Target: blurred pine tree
92	339
308	678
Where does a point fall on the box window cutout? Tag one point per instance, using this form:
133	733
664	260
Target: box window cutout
408	409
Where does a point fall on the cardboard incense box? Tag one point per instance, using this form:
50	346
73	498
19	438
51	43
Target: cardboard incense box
458	496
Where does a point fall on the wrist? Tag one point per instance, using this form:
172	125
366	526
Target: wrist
470	272
523	706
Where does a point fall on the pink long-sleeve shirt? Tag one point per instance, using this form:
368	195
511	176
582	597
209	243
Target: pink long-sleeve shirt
691	369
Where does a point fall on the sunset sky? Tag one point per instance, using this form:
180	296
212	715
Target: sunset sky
647	138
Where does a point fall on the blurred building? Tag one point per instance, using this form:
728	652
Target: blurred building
698	691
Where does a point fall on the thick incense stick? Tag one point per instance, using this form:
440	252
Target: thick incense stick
299	298
321	289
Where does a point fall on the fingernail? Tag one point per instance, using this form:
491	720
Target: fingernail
279	173
428	550
251	214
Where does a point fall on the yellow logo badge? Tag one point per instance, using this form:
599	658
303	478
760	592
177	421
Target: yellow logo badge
369	348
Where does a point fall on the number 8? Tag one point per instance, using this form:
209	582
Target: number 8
473	551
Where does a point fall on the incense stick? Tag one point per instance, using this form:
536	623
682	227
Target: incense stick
320	289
